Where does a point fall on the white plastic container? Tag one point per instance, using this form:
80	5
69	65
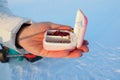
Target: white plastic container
61	39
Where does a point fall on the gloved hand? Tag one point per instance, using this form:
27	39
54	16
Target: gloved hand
31	39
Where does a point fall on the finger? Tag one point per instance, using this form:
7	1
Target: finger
85	42
61	27
75	54
53	54
56	54
84	48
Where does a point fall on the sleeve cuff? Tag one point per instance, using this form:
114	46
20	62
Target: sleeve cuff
18	33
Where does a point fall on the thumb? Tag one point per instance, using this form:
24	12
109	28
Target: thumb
60	27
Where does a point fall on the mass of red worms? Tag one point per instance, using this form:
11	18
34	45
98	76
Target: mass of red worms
58	33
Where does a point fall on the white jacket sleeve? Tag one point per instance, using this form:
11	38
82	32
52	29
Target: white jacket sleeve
9	26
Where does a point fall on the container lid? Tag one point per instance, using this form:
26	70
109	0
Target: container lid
80	27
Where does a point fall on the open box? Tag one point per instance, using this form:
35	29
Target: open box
63	39
59	42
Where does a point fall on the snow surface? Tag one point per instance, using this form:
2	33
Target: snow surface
103	60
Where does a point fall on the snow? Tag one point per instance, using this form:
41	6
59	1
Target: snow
102	62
